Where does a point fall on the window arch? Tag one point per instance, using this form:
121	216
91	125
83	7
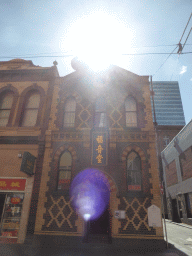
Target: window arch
30	110
100	113
131	112
64	171
69	114
134	172
6	102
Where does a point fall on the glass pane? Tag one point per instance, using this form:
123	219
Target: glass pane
7	101
64	175
65	160
4	117
100	105
133	162
130	104
3	122
33	101
30	117
131	119
100	119
69	119
70	105
4	113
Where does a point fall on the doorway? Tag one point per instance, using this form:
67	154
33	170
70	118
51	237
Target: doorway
175	215
2	201
188	206
100	225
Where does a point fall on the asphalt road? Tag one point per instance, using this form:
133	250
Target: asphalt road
180	236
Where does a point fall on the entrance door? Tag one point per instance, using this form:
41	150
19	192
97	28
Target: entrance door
175	216
100	225
2	201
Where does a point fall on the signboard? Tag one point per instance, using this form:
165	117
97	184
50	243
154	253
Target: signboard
99	148
154	216
12	184
27	164
119	214
134	187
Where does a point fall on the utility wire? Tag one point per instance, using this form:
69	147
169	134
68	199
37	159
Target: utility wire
165	61
185	28
71	55
187	37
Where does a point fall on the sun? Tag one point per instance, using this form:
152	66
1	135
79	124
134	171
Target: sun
97	39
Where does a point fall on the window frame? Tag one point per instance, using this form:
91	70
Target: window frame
2	97
136	171
4	90
99	112
69	112
131	111
67	184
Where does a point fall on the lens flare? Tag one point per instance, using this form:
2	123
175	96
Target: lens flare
90	192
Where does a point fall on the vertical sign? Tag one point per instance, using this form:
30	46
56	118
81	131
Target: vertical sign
99	149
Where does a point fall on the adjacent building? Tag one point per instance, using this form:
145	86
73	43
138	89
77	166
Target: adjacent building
177	167
25	102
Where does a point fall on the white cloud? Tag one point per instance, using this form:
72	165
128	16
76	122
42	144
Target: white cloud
191	79
183	70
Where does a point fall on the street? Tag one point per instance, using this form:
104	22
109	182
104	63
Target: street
180	236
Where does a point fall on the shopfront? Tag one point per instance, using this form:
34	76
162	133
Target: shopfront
12	215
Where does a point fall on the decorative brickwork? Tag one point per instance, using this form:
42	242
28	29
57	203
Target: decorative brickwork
60	215
136	221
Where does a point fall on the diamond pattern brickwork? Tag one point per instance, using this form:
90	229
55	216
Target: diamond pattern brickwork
60	215
136	220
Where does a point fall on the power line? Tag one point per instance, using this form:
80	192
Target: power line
71	55
185	28
164	61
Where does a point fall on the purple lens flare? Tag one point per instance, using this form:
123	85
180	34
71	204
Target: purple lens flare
90	193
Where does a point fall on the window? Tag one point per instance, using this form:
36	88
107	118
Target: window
100	113
5	108
166	141
30	111
134	171
69	115
131	112
64	176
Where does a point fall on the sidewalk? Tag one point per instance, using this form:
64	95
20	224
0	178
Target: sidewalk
88	249
180	224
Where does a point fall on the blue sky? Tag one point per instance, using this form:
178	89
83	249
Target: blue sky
43	28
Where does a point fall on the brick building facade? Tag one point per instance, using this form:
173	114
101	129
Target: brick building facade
58	120
116	106
177	163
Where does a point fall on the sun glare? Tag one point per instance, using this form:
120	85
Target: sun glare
97	39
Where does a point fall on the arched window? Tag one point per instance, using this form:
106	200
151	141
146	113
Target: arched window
131	112
6	102
64	176
133	171
30	111
100	113
69	115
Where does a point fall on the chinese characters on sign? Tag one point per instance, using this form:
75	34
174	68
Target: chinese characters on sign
12	184
99	149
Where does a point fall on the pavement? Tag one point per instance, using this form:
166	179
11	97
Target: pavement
92	249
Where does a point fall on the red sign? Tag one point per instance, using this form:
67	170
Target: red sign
134	187
161	189
12	184
63	181
15	200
